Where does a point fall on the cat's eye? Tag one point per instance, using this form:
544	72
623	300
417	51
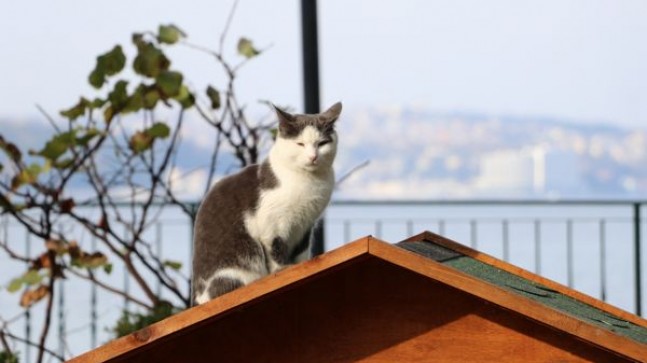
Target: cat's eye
324	142
300	144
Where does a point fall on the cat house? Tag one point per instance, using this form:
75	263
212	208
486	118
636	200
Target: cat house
425	299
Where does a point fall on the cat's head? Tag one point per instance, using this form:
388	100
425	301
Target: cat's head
307	142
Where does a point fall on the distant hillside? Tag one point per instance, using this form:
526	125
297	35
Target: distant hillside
414	153
418	154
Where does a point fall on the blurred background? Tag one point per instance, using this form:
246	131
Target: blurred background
519	128
550	93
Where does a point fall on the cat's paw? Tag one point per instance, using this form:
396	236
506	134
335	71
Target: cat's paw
279	252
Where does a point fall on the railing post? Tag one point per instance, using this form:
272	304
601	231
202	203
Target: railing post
318	245
194	211
637	257
62	334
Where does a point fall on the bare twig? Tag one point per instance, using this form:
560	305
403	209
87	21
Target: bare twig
351	172
48	118
13	254
4	342
223	35
90	277
48	309
32	344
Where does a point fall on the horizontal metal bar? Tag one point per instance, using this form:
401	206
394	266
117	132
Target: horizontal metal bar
489	202
412	202
486	220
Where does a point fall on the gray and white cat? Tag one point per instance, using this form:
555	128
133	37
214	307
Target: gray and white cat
257	221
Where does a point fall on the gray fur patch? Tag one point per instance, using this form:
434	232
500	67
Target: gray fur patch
280	251
222	285
220	237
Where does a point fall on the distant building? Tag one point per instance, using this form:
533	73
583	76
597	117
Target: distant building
533	170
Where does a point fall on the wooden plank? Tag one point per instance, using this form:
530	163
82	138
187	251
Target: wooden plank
493	261
534	310
372	311
196	316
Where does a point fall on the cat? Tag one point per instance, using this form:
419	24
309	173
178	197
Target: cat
257	221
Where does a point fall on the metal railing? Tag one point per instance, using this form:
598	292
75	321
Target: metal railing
596	240
592	246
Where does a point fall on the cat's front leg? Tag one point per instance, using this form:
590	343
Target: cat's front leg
279	254
302	251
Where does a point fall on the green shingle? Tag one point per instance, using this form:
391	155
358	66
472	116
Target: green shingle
528	289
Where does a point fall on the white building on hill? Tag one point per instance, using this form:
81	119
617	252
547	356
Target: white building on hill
529	171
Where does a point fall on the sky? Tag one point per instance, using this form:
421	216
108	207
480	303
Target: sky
584	60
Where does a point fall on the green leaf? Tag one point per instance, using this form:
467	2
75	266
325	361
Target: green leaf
169	82
138	39
174	265
140	141
150	61
113	61
15	284
28	175
136	100
11	150
97	103
108	64
32	277
130	322
119	96
94	260
143	140
151	97
158	129
214	97
8	357
90	134
97	78
29	278
58	145
169	34
185	98
63	164
107	268
108	113
86	260
246	48
58	246
77	110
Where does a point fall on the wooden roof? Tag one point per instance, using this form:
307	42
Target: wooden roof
447	263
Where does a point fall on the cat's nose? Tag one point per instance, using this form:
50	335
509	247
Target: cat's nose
313	158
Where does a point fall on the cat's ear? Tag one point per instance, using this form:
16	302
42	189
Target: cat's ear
287	126
332	114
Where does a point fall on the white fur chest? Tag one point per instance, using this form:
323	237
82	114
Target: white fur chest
289	210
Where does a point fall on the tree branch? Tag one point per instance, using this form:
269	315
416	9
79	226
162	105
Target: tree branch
90	277
48	309
32	344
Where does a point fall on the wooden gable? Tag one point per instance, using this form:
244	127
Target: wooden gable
417	301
